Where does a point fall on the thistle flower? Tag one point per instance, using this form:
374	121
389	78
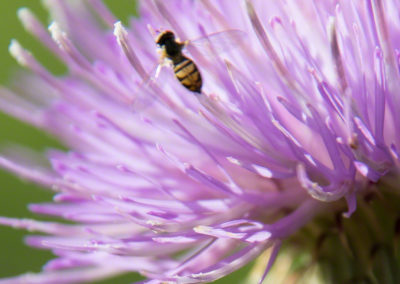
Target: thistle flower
293	141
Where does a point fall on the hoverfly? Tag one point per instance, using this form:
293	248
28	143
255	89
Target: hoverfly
186	71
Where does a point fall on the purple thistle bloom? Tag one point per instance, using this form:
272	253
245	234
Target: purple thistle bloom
298	122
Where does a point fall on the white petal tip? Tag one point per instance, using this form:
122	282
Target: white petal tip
28	19
18	52
24	14
55	29
119	30
47	3
58	35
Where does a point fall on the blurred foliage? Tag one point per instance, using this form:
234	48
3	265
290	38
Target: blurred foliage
16	194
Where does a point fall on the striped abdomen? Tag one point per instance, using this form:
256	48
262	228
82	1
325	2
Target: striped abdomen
188	74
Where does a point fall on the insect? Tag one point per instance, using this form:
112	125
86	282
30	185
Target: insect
186	71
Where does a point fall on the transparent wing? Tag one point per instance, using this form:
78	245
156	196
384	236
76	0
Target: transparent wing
219	42
143	97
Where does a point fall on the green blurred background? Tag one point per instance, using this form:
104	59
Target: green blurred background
16	194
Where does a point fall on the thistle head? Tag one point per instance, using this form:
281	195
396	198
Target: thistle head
291	146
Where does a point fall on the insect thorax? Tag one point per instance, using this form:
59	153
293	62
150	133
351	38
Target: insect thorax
172	48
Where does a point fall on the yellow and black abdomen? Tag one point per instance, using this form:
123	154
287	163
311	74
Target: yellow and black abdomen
188	74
